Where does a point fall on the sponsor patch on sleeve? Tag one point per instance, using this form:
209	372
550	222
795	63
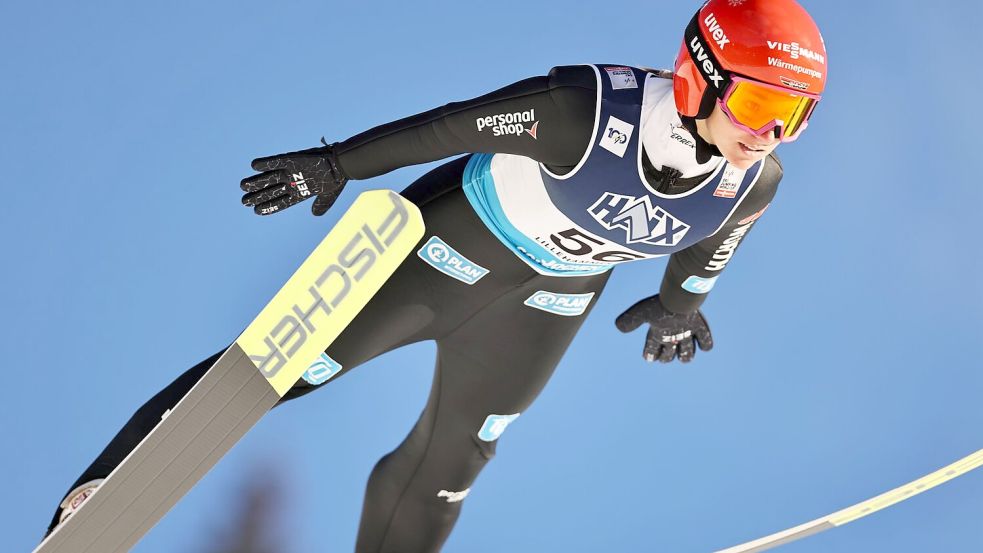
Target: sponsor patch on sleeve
621	77
699	285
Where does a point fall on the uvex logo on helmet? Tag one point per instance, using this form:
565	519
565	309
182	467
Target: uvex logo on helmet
715	31
762	40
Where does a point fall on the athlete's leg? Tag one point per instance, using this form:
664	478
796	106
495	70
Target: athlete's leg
489	369
400	313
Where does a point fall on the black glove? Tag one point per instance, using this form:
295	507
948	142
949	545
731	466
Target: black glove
669	333
289	179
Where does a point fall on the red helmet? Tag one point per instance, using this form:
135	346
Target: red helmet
770	41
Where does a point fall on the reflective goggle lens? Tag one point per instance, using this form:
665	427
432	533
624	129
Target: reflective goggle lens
760	107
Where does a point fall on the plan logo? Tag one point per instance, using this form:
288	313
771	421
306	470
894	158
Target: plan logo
321	370
445	259
641	221
568	305
494	426
506	124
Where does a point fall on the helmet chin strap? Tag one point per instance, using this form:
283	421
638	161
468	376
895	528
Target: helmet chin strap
704	150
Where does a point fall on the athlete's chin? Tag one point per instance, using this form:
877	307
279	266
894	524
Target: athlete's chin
741	160
740	163
742	157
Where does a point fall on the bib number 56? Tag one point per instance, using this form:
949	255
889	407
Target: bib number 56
577	243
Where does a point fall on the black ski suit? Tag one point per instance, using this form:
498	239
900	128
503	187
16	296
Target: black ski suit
495	349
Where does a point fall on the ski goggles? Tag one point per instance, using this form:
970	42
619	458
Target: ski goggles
759	108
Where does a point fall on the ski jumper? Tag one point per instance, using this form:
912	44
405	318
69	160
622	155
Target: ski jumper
576	172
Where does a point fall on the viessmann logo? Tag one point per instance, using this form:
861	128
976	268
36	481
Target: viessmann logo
329	290
795	51
504	124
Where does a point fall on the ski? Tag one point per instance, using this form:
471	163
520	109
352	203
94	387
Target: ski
315	305
862	509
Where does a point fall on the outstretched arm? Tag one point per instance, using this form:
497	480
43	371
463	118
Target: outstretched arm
676	325
560	106
549	119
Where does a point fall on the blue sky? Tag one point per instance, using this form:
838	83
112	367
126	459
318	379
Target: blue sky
846	328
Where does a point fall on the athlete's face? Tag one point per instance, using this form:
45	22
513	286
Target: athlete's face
741	148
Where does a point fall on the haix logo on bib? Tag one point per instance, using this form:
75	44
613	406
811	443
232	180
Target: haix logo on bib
321	370
616	136
796	51
445	259
300	184
642	221
704	62
718	34
516	123
568	305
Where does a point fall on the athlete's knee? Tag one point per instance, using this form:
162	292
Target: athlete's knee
486	449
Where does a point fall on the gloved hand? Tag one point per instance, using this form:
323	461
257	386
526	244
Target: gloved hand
291	178
669	333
